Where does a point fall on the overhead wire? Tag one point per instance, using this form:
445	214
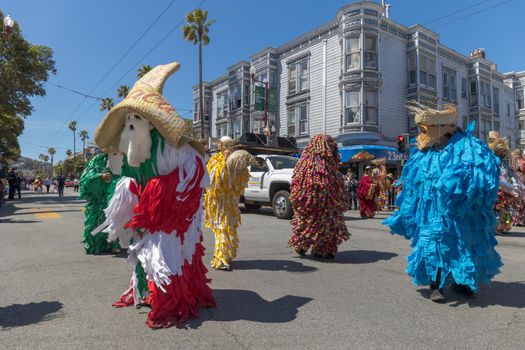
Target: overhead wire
456	11
472	14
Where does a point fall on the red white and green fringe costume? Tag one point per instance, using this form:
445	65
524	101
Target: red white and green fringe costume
169	216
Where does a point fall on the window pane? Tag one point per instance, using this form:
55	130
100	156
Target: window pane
292	80
432	66
304	75
352	61
352	98
352	44
422	78
370	43
371	98
432	81
412	77
412	62
370	59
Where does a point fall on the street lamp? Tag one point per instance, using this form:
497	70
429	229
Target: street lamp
8	25
267	131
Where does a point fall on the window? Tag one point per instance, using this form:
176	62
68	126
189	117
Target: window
496	126
473	93
303	75
412	69
449	85
247	94
351	107
519	99
280	162
508	109
484	94
236	128
370	102
291	122
353	55
370	51
292	80
207	110
219	131
222	104
196	112
495	93
427	72
463	88
235	97
303	119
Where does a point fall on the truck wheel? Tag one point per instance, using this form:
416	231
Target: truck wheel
282	208
252	206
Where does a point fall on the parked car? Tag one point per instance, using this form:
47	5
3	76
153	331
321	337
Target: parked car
69	183
270	183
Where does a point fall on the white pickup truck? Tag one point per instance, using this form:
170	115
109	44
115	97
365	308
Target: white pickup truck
269	184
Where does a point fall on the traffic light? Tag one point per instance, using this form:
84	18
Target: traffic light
401	144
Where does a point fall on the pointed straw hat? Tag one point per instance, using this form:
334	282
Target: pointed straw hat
145	98
429	116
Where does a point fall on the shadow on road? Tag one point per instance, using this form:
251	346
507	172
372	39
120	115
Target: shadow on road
356	257
236	305
508	294
272	265
11	221
17	315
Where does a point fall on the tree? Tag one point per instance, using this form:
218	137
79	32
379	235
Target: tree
196	31
143	70
52	151
70	167
83	136
123	91
190	130
24	69
69	153
73	127
106	104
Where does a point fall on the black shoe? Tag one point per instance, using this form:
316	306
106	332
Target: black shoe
329	256
465	290
437	295
316	255
300	252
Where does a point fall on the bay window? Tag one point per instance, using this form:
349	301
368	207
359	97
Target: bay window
298	120
353	54
298	77
495	92
463	88
449	85
235	97
427	72
370	103
412	69
519	99
484	94
370	51
291	121
303	75
351	114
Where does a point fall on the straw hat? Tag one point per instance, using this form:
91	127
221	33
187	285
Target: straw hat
146	99
429	116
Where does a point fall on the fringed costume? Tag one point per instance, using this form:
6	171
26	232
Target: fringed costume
367	192
221	201
319	200
445	206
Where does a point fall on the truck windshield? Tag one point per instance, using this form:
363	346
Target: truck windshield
280	163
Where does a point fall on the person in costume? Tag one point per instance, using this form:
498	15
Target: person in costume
367	192
517	164
319	200
229	176
167	217
446	206
94	184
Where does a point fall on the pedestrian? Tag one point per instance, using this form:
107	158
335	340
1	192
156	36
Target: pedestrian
221	201
12	180
367	192
319	200
18	186
446	206
351	185
61	181
391	190
75	184
55	185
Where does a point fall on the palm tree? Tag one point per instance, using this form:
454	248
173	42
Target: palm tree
83	136
106	104
143	70
73	127
52	151
69	153
196	31
123	91
41	157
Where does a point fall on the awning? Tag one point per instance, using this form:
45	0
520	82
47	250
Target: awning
391	154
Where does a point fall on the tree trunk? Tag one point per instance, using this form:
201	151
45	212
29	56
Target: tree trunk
52	169
74	144
84	150
201	93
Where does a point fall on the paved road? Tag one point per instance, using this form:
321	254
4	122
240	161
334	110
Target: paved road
53	296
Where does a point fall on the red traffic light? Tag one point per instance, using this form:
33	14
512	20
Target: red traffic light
400	138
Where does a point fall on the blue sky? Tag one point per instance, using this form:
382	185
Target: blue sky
88	37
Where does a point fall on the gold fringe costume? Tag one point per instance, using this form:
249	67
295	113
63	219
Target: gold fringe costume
221	203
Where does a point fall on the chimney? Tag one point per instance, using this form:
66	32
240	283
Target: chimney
478	53
386	9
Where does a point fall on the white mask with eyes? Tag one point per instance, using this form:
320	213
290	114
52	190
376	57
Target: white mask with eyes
135	139
115	162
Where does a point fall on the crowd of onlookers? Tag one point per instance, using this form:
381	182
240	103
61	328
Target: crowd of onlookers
16	182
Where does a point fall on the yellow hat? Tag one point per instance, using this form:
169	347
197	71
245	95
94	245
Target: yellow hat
146	99
429	116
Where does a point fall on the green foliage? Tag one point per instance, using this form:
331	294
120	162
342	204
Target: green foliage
24	69
190	130
70	167
123	91
106	104
72	125
197	27
143	70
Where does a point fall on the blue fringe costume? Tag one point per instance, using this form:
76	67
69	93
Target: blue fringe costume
446	208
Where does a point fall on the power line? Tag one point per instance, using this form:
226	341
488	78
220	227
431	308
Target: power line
75	91
456	11
114	66
472	13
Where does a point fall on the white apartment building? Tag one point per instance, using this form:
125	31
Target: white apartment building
352	78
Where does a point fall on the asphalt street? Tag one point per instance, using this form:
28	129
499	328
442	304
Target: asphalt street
53	296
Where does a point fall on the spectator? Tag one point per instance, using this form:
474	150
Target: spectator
11	180
75	183
61	180
18	185
47	183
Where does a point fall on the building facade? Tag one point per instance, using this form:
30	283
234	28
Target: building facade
353	77
516	82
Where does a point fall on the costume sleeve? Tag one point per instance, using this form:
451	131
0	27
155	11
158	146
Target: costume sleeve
91	185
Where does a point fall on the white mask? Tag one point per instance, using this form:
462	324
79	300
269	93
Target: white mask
135	139
115	162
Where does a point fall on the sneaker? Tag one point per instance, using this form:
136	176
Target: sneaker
437	295
225	267
463	289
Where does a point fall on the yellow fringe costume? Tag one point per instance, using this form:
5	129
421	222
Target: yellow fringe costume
221	203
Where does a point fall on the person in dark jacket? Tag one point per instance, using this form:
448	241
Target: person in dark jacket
61	180
12	181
